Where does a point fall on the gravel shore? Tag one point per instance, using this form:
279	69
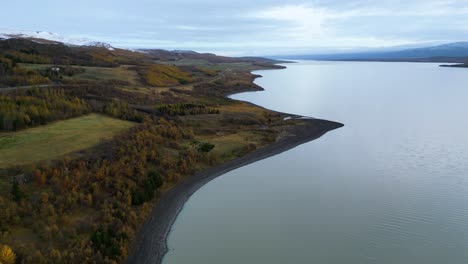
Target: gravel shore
151	243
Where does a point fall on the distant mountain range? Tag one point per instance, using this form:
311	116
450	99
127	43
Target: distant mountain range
452	52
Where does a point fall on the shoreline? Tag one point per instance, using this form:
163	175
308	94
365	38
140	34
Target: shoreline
151	243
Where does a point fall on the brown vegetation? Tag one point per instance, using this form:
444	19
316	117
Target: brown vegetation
11	74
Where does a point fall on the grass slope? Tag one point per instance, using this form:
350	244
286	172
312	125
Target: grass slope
54	140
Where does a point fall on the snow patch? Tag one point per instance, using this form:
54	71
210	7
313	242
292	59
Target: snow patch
71	41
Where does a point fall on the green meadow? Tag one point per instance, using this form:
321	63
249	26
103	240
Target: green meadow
57	139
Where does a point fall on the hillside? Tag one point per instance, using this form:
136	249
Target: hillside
91	138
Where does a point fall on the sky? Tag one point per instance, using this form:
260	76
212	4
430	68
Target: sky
246	27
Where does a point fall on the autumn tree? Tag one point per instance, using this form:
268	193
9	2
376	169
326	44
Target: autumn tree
7	256
40	177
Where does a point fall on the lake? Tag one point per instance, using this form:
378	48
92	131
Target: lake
391	186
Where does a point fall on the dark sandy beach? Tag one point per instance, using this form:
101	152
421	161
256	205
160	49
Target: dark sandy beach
151	242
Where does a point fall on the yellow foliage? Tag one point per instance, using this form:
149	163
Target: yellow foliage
7	256
100	55
208	71
165	75
23	76
29	58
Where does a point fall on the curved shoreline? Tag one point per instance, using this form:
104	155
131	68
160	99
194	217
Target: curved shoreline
151	242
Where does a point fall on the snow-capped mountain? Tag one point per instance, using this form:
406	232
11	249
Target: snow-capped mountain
53	37
100	44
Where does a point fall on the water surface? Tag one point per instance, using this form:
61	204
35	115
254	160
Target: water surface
389	187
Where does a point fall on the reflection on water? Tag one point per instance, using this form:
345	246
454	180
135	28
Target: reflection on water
389	187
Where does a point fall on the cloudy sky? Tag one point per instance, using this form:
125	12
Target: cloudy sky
246	27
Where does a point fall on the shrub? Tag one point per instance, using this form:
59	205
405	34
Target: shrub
145	192
205	147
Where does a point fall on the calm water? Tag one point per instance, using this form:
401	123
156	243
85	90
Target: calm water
389	187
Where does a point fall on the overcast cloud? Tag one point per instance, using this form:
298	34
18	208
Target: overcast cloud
246	27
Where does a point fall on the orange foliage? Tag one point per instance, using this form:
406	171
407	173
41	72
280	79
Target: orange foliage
165	75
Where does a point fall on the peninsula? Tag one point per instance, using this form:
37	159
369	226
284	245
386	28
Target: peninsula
100	147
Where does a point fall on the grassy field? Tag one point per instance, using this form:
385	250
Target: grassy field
232	131
121	73
54	140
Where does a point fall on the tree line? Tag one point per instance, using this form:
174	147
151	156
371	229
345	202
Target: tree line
122	110
38	106
185	109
